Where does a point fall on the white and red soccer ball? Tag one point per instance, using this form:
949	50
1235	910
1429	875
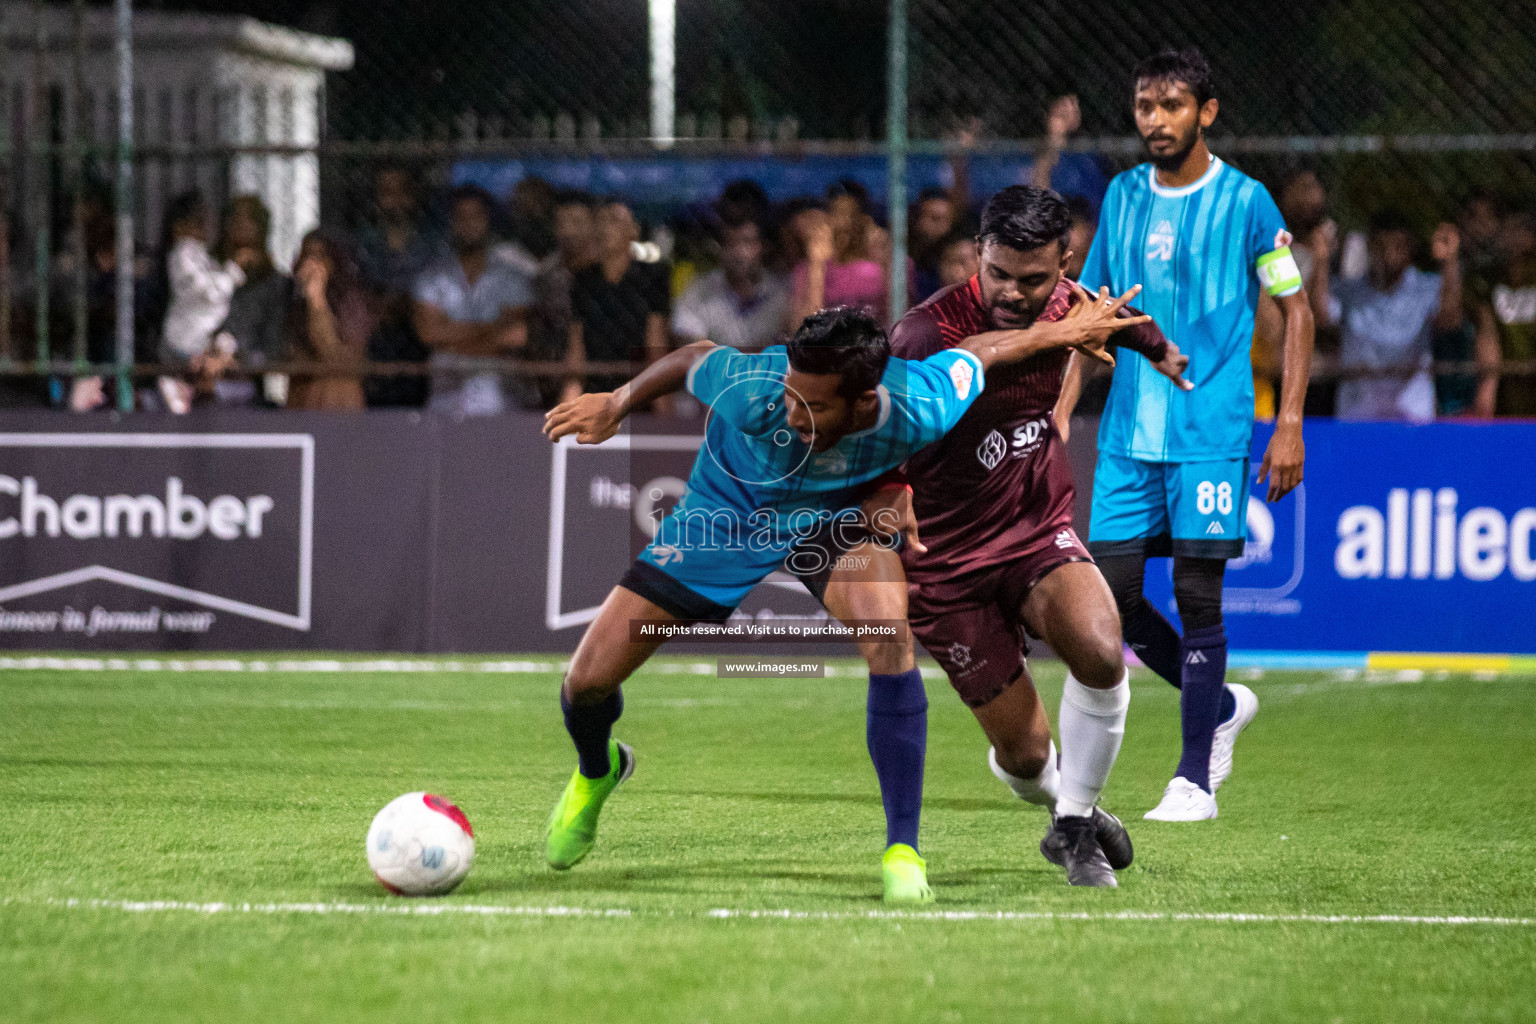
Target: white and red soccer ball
420	845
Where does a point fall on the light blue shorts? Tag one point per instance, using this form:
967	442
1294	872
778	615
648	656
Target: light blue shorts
1157	509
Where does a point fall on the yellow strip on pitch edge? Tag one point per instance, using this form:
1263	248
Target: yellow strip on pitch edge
1400	661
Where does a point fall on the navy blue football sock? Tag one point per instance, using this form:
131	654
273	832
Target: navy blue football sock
897	731
1205	673
1153	639
590	726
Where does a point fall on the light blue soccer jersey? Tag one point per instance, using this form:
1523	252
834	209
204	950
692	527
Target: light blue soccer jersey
752	459
1200	254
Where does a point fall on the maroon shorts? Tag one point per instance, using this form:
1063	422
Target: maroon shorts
973	624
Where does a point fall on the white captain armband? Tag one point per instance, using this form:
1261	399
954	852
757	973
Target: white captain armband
1278	272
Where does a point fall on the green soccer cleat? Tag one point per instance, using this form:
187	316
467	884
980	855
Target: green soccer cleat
906	875
572	830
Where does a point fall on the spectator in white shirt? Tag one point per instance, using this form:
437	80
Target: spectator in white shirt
200	289
741	304
470	307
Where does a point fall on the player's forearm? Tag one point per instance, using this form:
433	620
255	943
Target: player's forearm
1300	333
665	376
1148	338
1071	391
1014	346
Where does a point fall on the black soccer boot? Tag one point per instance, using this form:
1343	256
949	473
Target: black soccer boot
1071	843
1113	839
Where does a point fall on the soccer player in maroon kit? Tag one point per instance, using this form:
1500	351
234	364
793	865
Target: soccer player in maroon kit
995	557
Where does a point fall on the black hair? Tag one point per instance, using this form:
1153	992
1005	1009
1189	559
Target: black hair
574	197
1389	219
845	341
1025	217
850	188
461	193
933	192
1187	65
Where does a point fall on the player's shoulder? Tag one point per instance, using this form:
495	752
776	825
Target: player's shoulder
1129	182
938	322
949	374
1060	302
1243	187
723	362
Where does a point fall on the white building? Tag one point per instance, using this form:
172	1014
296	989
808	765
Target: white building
205	86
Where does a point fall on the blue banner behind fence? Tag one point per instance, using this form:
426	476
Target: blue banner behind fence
670	181
1401	538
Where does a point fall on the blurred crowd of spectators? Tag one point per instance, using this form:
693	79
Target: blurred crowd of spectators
414	306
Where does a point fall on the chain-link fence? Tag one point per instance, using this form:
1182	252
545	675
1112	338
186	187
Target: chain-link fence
1417	106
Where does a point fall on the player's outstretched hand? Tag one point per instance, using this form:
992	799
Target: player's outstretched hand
1096	317
888	512
1173	366
1283	460
593	418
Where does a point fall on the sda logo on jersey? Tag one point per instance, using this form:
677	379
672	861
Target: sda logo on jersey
1160	242
992	450
961	373
1028	437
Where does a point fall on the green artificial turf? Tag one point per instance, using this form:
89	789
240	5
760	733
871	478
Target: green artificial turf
1368	796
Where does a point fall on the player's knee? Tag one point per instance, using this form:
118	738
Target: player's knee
1099	660
1125	575
583	685
888	658
1197	584
1023	756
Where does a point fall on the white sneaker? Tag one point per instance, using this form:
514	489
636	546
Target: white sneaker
1226	733
1183	801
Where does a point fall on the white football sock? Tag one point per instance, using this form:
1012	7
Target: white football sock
1092	725
1040	790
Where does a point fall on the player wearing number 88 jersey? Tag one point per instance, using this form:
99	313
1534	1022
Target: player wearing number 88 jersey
1172	478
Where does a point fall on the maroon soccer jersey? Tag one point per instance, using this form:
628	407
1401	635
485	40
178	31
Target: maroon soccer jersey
998	486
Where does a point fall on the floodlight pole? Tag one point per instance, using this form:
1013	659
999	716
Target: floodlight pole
124	275
663	72
896	150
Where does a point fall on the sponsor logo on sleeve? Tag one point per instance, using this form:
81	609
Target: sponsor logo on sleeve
961	374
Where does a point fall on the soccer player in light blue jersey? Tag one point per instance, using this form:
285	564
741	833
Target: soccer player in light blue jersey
1201	238
798	435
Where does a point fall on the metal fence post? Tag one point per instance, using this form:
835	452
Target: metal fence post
75	122
41	129
896	149
124	269
663	20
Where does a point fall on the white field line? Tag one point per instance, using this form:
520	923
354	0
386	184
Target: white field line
371	666
414	909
